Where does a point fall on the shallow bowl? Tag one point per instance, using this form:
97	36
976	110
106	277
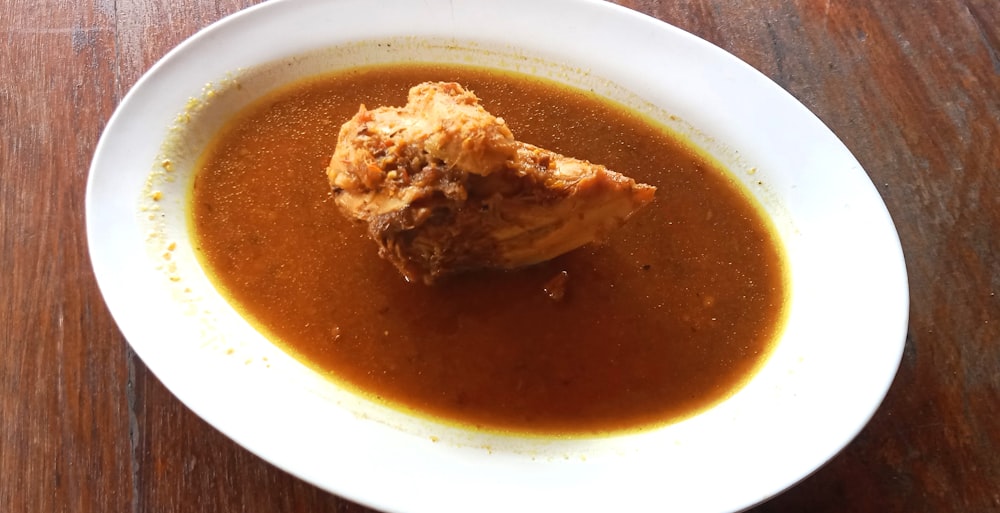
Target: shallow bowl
827	375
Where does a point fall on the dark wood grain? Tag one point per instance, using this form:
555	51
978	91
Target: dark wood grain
913	88
64	428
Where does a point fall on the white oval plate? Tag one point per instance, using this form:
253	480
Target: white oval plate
826	378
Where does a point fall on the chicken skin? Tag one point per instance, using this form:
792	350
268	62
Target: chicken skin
444	188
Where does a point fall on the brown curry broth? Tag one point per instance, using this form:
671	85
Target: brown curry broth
669	316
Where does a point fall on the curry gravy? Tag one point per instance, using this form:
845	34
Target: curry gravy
670	315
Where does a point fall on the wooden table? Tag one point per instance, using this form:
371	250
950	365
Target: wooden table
913	90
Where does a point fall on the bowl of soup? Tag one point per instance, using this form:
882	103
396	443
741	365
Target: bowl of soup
723	344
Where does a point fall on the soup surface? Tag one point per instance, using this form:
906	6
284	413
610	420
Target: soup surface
670	315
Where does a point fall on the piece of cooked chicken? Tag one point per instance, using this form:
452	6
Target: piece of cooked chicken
445	187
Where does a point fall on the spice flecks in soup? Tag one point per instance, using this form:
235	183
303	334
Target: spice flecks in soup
670	315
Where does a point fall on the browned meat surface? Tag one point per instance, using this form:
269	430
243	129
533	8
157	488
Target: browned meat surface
445	187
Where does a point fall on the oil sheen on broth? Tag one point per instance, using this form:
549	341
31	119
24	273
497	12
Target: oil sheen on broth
670	315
